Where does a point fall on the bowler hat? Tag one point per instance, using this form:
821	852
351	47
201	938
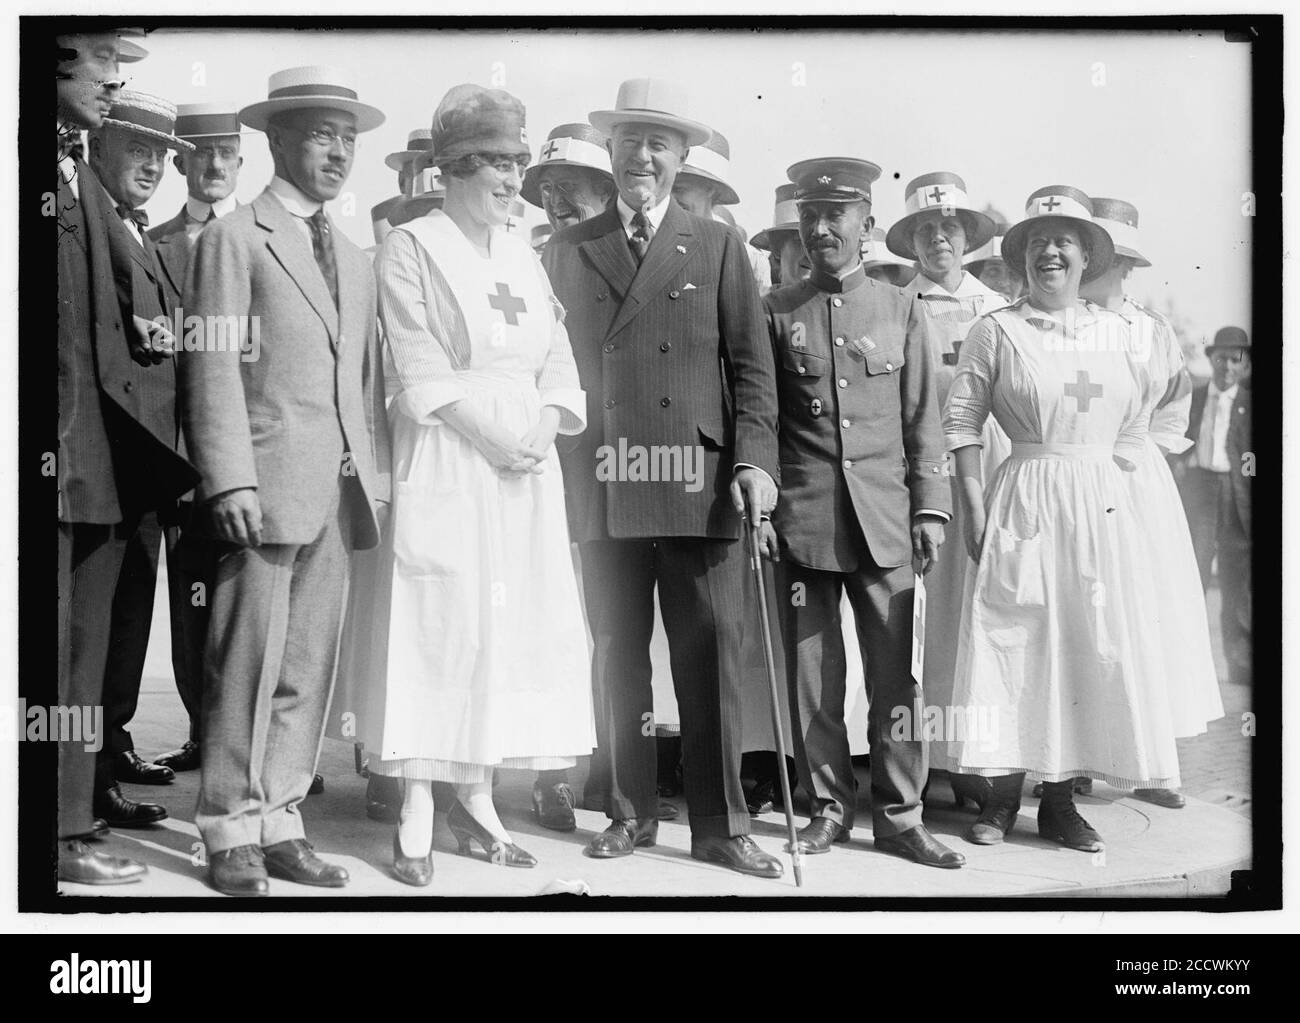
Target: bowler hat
942	191
1066	203
651	101
299	88
1229	337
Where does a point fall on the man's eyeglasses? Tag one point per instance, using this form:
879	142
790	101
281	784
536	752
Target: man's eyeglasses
567	189
326	137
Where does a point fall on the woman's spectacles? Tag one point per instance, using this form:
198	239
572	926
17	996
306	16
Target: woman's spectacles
505	164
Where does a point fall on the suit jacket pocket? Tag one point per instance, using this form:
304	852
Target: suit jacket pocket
715	433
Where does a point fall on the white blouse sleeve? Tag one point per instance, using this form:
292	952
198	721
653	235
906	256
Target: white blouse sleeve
970	399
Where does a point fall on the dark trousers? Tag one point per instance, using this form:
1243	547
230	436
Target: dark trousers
90	559
700	597
881	599
1217	530
191	574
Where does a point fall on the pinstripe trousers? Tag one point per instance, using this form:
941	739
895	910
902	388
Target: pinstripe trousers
701	598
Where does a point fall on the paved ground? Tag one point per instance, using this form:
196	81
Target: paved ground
1150	851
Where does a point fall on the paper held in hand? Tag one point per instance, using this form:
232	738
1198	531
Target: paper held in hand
918	630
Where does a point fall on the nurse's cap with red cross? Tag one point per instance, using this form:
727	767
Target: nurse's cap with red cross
833	179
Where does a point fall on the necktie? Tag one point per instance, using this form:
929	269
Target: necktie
323	246
139	216
641	235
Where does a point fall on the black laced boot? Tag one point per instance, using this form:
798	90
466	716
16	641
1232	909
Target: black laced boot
1059	821
998	814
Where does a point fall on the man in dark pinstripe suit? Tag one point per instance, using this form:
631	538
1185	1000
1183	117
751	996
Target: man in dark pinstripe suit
667	332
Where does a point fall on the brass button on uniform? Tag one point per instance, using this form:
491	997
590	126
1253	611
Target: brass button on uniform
803	369
843	382
837	302
845	423
889	366
839	342
848	463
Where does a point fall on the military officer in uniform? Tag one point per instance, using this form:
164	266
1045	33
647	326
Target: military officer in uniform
863	504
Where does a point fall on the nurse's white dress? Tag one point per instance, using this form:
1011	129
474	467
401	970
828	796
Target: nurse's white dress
464	646
1179	611
1059	672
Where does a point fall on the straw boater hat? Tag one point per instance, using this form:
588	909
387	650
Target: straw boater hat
129	51
651	101
711	162
150	116
208	120
315	86
832	179
990	251
1120	219
419	148
785	218
569	145
1068	203
944	191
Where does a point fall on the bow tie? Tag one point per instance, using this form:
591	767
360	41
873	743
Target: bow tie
139	216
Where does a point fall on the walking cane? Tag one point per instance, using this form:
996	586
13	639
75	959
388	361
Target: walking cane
756	566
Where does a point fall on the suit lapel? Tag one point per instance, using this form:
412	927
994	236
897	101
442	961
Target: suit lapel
669	251
609	253
173	247
292	249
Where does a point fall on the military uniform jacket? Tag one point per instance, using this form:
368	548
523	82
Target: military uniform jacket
861	451
672	357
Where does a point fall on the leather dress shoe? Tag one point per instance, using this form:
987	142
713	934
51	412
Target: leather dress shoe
119	812
553	806
317	785
666	811
239	871
740	853
622	837
98	829
919	846
1170	799
294	860
130	766
384	799
761	798
79	864
184	759
818	834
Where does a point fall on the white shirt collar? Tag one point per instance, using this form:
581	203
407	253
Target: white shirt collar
969	287
295	200
655	214
197	209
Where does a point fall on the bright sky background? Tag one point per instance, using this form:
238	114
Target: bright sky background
1160	119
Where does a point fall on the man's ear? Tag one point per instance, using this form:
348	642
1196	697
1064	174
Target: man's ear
178	161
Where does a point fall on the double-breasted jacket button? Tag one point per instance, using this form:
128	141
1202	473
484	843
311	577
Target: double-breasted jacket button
601	296
665	402
674	293
665	346
609	348
609	402
128	387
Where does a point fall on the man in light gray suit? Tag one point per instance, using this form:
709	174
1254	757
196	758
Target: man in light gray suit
288	431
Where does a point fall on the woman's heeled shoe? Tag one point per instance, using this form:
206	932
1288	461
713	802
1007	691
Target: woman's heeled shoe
464	828
414	870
